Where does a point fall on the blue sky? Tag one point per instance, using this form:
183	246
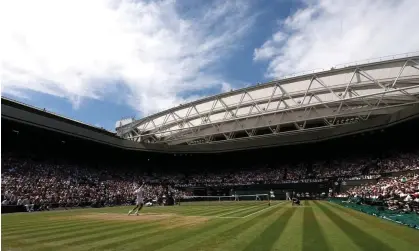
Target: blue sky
122	58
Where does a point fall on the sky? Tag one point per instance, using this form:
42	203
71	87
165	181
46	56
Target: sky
99	61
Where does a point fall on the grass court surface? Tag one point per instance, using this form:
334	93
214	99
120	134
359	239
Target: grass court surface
316	225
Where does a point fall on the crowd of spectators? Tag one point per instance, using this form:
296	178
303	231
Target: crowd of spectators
343	169
62	185
361	167
47	184
399	193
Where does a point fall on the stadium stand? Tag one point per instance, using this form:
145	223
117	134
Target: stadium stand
48	170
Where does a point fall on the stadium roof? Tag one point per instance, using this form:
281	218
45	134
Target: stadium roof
44	112
342	95
370	97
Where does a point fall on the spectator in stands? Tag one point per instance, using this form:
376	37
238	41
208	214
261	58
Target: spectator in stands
43	185
399	193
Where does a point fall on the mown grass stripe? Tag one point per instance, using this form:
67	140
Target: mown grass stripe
62	241
246	235
221	233
242	211
210	212
46	237
262	210
70	236
250	211
336	238
267	238
162	241
102	236
402	232
156	239
188	210
29	229
398	239
43	232
206	210
34	229
231	234
19	224
98	242
215	211
292	235
40	223
80	241
361	238
313	236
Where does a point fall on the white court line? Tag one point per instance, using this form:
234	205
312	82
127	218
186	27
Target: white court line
263	210
229	217
236	211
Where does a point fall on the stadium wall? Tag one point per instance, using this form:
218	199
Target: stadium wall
12	209
312	187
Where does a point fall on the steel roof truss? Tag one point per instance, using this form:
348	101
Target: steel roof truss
308	88
357	96
366	75
416	66
410	61
388	87
272	95
398	76
286	93
240	103
228	109
327	87
347	114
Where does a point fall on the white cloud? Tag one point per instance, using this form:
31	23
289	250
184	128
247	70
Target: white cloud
76	49
269	48
225	87
18	94
324	33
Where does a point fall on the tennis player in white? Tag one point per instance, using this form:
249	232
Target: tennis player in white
139	203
